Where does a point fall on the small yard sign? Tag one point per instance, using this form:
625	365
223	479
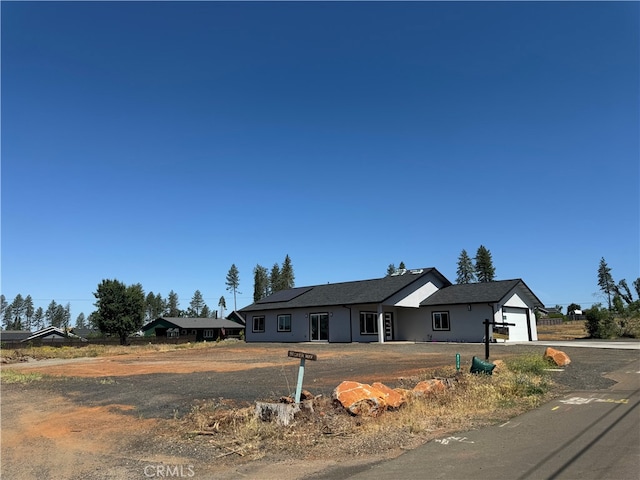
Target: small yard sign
302	356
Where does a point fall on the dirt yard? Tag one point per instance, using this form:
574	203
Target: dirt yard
118	417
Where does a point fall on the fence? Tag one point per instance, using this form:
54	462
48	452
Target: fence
560	321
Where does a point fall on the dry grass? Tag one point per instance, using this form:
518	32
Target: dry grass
472	401
11	376
565	331
94	350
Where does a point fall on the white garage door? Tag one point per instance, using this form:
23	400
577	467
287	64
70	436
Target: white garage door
519	332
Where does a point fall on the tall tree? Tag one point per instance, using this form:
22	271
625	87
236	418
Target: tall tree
205	312
485	271
274	279
120	308
391	269
465	272
3	305
222	303
605	280
260	283
232	282
29	311
81	322
402	266
50	314
196	304
287	277
154	306
7	317
17	308
38	319
173	305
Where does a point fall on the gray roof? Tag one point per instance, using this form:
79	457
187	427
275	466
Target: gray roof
14	335
487	292
191	323
347	293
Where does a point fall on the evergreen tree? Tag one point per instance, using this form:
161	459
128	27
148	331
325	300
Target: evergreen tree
605	281
205	312
232	282
154	306
173	305
287	277
7	318
260	283
485	271
196	304
81	321
391	269
222	303
274	279
121	308
17	309
3	305
50	314
465	271
38	319
401	266
28	312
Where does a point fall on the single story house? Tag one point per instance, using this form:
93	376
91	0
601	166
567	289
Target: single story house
53	334
410	305
202	328
14	336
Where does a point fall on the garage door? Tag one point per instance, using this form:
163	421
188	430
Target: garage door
520	331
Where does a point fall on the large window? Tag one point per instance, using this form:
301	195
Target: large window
258	324
368	323
284	323
441	321
208	333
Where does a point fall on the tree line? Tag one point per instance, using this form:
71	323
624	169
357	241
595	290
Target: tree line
468	271
621	315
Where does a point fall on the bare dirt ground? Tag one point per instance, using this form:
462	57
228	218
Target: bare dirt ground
118	417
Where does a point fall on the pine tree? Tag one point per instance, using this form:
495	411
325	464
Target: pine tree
38	319
173	305
274	279
28	312
196	304
287	277
391	269
232	282
605	280
81	321
485	271
465	269
260	283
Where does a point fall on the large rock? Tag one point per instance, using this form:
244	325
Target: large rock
360	398
394	398
427	387
558	357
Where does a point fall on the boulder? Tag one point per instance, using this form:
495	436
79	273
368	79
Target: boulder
427	387
393	399
557	356
360	398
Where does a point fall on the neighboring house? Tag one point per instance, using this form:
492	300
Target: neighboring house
202	328
52	335
410	305
235	316
14	336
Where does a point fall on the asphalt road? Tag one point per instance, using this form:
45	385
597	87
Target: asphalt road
586	435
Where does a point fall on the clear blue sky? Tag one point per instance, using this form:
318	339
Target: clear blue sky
158	143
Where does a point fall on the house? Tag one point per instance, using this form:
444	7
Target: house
202	328
14	336
52	334
410	305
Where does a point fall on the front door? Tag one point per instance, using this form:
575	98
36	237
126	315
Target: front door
388	326
319	326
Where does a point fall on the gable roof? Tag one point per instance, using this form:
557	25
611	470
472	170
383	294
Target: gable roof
346	293
486	292
189	323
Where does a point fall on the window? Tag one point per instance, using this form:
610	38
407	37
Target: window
441	321
208	334
284	323
368	323
258	324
